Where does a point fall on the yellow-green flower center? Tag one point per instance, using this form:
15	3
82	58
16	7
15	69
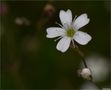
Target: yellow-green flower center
70	32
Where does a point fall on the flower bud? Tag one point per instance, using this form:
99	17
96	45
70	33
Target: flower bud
86	73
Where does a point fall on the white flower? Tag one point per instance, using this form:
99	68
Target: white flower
69	30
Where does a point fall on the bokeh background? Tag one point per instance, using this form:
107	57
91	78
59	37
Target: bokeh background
29	60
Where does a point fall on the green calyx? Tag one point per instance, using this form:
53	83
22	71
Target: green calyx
70	32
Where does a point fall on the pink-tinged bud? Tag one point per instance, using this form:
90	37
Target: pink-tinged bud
85	73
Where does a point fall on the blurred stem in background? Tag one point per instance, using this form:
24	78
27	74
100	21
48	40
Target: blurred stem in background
48	14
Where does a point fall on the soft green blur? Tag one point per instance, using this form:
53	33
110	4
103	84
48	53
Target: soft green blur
29	60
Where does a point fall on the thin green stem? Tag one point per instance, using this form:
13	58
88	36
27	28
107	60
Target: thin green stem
81	54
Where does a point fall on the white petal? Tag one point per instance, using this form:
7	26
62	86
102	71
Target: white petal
82	37
63	44
54	32
81	21
66	17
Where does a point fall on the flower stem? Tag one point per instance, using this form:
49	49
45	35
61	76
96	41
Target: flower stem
81	54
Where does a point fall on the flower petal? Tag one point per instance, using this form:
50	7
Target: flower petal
54	32
63	44
82	37
81	21
65	17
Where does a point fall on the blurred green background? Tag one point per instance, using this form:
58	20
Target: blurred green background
29	60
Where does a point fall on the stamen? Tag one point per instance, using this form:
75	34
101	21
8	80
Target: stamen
75	18
59	24
73	43
58	38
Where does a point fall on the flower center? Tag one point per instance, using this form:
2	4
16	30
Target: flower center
70	32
